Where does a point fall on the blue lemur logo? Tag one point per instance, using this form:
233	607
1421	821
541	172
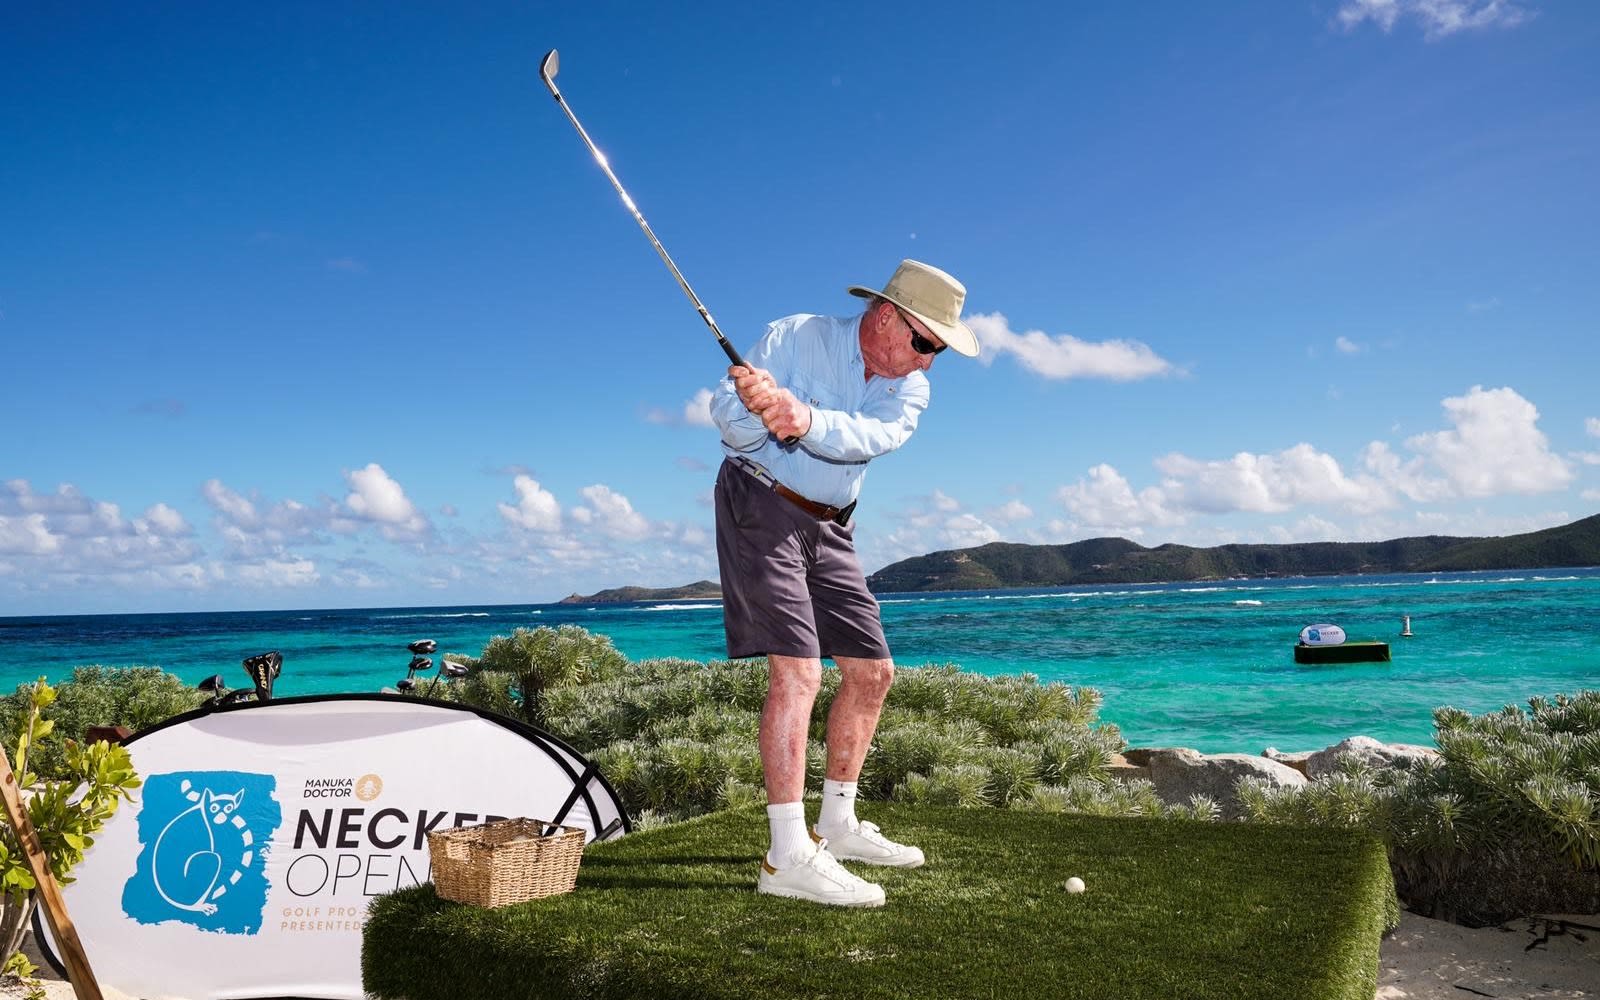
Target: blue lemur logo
204	838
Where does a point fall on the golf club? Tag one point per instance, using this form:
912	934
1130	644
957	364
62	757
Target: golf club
447	668
548	67
547	71
263	669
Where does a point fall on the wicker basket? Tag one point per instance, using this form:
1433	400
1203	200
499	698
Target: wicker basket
504	862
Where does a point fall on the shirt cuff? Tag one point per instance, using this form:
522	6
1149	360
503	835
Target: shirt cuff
812	433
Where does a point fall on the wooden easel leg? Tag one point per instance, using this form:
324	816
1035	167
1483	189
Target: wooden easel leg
55	908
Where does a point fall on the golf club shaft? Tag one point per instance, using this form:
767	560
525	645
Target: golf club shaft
547	72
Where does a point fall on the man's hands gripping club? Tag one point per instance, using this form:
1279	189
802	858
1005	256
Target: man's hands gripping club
784	416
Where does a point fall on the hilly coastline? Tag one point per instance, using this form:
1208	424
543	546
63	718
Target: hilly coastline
1001	565
702	590
1004	565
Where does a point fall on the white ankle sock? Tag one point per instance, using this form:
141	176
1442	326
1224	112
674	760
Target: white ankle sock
790	841
838	807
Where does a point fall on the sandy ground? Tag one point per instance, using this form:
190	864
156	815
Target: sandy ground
1553	958
1534	959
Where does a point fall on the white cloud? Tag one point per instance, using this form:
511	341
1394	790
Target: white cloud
27	535
1439	18
1010	512
1106	503
66	538
611	514
1347	346
1268	483
288	572
17	496
377	498
231	505
697	411
254	528
927	524
1592	426
536	508
1307	529
1495	446
1590	494
1407	477
163	520
1484	305
1065	356
1586	457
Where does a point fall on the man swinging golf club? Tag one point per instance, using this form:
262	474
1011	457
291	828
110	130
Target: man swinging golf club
820	398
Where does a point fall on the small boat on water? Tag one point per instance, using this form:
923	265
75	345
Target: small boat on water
1328	644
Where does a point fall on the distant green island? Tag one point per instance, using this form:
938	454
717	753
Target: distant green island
1005	565
700	590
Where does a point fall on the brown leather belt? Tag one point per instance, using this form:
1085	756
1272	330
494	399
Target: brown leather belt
820	511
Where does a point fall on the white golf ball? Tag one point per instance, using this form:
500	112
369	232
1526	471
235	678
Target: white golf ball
1074	884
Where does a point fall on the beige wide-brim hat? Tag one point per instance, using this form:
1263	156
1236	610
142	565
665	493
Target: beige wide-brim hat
932	296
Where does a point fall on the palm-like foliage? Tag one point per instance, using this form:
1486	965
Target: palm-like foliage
544	658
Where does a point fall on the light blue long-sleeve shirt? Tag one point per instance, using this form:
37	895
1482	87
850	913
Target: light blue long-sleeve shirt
854	419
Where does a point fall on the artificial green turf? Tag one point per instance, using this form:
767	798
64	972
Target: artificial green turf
1173	909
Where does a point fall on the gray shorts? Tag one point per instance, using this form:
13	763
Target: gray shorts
791	584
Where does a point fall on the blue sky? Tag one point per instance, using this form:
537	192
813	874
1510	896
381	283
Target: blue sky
325	304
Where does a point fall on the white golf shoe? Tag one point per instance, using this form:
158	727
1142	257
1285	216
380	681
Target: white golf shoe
862	842
819	879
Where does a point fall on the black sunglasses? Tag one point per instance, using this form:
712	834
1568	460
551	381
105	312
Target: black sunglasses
919	343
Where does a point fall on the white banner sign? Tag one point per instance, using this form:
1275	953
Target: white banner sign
1322	635
245	863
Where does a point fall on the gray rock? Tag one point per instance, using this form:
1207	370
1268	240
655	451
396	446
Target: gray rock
1123	769
1296	760
1369	752
1180	773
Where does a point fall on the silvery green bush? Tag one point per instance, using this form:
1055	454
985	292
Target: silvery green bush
679	737
1506	822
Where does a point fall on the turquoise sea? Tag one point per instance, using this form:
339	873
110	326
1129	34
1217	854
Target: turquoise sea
1205	665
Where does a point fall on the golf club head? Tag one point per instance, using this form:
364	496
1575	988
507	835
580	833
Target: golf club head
454	669
212	684
406	686
419	665
422	646
549	66
263	669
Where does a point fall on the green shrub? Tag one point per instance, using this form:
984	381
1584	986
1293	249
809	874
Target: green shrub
679	738
1505	822
543	659
136	697
66	813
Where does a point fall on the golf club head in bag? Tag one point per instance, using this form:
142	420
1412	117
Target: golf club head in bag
450	669
422	647
263	669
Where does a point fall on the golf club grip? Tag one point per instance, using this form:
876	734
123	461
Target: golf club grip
733	355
